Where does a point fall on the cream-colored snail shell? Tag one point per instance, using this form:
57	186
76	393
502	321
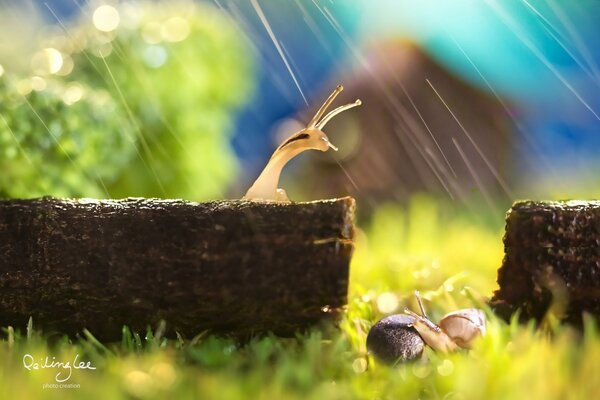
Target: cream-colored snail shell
463	326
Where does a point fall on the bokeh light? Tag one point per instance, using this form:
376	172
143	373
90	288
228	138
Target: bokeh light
106	18
48	61
175	29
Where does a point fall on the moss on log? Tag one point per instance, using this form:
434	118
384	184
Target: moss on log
236	267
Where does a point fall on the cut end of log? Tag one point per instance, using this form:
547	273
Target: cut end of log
236	267
551	262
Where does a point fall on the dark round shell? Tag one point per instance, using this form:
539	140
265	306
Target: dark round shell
393	339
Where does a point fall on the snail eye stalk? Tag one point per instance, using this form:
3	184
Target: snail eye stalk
313	122
418	296
335	112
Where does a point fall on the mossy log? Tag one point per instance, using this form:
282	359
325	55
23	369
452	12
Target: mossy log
233	267
552	259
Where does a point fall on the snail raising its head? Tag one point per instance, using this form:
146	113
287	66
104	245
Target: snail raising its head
310	138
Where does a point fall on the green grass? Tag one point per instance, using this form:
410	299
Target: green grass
434	248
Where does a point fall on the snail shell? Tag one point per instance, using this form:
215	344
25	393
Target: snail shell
394	339
463	326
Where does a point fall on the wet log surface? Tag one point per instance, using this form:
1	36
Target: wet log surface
552	258
234	267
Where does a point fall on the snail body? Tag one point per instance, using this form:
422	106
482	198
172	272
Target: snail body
432	334
310	138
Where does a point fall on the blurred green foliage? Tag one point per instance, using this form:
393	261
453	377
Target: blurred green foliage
427	245
52	146
174	71
179	69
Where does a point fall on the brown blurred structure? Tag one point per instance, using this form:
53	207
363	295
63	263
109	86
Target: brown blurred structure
404	138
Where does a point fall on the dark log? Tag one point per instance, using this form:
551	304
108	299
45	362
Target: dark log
235	267
552	257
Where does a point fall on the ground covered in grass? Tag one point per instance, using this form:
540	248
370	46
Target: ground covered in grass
446	253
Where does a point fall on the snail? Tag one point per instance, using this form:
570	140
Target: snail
310	138
457	329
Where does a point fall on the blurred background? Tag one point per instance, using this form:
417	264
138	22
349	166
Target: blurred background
476	103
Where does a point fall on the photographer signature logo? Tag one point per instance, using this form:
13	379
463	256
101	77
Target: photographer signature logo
65	369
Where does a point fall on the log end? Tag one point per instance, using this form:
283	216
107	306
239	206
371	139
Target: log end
551	262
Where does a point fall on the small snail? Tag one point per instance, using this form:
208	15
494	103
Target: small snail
456	329
311	137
